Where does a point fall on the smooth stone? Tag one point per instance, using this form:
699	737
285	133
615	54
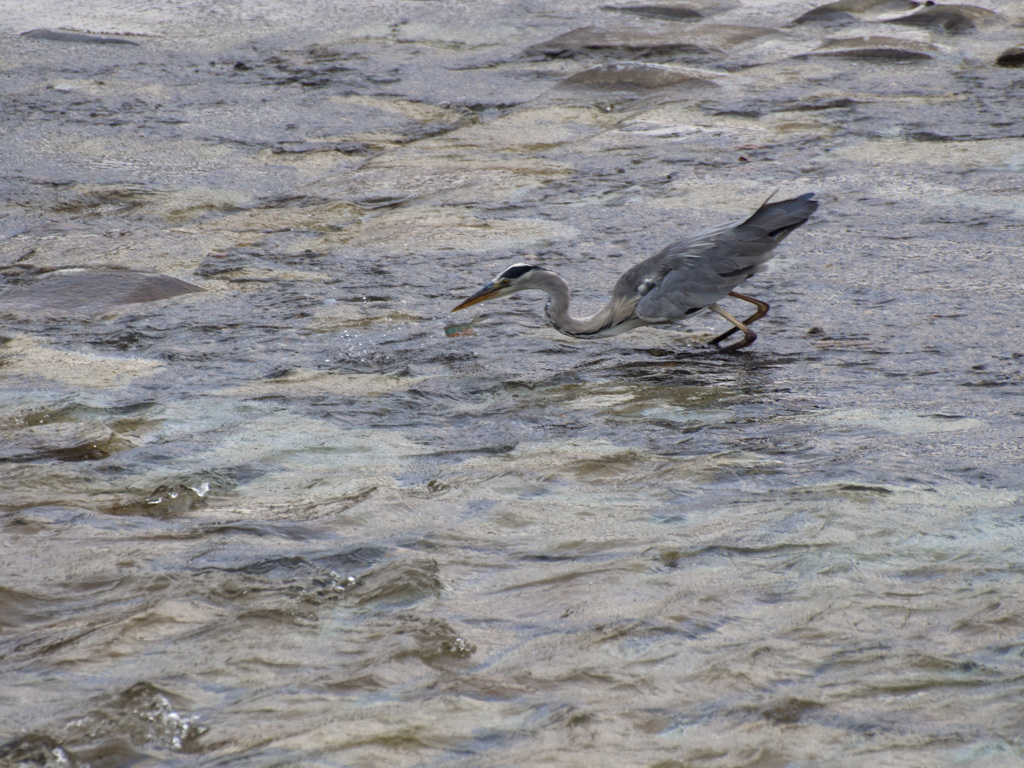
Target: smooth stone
1011	57
65	441
826	14
67	36
875	48
850	10
666	12
649	40
91	290
631	76
952	19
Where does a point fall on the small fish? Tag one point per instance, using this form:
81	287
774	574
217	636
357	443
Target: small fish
462	329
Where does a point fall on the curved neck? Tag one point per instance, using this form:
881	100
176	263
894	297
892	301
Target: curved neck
607	322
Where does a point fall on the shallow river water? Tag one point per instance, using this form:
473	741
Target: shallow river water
257	509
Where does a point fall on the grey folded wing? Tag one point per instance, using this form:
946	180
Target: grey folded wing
689	275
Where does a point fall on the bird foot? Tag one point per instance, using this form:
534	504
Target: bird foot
744	342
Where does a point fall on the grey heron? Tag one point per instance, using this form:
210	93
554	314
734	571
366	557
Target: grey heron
687	277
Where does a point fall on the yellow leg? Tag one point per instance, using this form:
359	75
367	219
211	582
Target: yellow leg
762	310
748	335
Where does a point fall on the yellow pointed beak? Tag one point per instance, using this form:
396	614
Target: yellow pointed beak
489	291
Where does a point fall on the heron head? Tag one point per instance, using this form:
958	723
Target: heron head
516	278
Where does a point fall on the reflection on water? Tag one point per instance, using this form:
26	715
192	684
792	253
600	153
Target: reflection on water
287	519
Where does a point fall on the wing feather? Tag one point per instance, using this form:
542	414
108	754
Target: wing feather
691	274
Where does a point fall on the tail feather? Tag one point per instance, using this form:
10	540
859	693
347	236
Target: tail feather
776	220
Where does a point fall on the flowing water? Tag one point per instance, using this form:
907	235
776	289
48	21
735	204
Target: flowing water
258	509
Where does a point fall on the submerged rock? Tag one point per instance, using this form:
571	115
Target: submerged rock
1011	57
64	441
659	11
69	36
35	749
140	717
855	10
639	42
885	49
631	76
952	19
90	291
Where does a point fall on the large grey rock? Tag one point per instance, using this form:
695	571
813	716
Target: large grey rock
635	76
90	291
1011	57
64	441
876	48
70	36
951	19
640	41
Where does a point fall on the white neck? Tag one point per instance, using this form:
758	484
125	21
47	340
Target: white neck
615	318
